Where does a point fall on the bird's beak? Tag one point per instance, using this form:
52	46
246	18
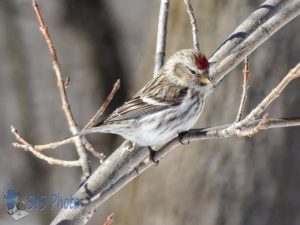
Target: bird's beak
205	80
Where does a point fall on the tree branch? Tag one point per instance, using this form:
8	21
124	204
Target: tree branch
26	146
161	36
260	26
263	105
83	158
245	89
88	146
104	106
195	31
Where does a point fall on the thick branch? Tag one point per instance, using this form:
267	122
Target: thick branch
260	26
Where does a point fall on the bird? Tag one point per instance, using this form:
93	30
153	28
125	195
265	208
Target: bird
166	106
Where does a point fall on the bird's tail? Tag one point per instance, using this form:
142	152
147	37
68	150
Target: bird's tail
100	129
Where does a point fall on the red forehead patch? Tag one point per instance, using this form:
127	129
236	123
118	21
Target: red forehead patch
201	62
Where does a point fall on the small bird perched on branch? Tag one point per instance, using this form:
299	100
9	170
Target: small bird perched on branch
168	105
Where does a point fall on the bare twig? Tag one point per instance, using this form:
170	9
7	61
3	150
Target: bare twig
26	146
254	130
110	219
161	36
99	155
60	84
214	132
53	145
104	105
245	89
195	31
92	121
67	82
262	106
88	146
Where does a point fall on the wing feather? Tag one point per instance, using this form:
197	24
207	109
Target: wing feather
154	97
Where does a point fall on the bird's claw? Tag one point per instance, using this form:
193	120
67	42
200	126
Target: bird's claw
181	136
151	156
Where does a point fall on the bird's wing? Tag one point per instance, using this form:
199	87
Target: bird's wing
148	101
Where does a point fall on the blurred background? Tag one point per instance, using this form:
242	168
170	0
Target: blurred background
236	181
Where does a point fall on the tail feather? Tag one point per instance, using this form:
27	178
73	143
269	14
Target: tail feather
100	129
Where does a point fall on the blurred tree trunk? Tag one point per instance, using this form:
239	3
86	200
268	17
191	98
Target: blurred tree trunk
234	181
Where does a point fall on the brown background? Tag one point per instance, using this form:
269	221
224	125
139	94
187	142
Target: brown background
232	181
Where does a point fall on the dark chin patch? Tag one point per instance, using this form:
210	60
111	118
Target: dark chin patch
201	62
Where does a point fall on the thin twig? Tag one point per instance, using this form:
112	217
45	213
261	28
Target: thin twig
99	155
110	219
67	82
195	30
28	147
92	121
104	105
161	36
54	145
263	105
60	84
245	89
254	130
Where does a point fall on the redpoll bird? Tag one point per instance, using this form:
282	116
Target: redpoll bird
167	106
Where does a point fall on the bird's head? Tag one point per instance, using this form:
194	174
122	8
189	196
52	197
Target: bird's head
189	68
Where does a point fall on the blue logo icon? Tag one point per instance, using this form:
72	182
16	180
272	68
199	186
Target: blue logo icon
14	206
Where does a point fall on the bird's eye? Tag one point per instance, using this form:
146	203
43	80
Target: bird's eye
193	71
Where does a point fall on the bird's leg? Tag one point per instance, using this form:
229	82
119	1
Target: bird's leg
151	156
180	137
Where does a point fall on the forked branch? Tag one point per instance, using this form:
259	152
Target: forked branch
83	158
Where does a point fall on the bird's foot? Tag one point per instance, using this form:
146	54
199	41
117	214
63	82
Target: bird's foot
129	145
151	156
181	136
